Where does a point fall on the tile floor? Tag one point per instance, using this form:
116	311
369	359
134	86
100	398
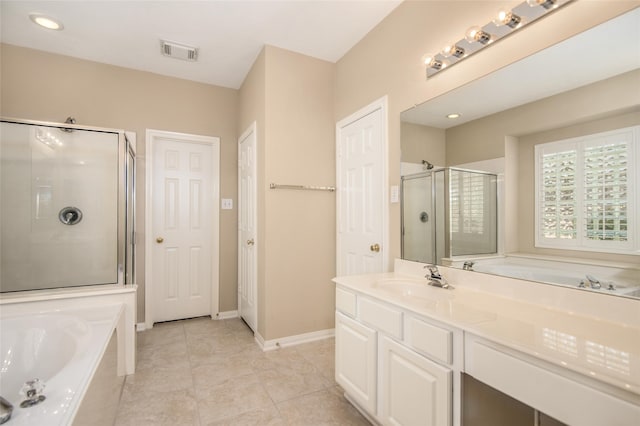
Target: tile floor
204	372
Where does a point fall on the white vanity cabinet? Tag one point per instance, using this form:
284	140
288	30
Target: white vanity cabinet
356	361
396	366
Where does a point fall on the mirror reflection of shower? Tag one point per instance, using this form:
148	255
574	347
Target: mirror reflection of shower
65	191
448	212
426	165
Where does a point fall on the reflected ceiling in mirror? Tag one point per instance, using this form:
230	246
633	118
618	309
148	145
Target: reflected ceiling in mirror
604	51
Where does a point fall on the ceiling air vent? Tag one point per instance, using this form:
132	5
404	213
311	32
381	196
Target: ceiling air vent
178	51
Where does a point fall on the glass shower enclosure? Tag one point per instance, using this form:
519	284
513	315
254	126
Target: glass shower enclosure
66	206
449	212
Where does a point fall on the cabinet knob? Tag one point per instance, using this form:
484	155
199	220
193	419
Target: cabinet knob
159	240
250	242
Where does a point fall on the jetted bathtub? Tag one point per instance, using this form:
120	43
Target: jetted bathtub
63	349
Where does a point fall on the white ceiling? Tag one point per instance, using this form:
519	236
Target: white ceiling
604	51
229	34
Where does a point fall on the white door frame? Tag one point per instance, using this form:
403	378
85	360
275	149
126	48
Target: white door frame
151	136
379	104
252	128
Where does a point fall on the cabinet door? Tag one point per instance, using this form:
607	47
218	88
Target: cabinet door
356	361
413	389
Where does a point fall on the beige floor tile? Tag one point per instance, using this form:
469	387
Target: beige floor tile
325	407
288	358
321	356
205	326
231	398
283	384
162	334
213	372
159	409
268	416
161	355
225	368
166	378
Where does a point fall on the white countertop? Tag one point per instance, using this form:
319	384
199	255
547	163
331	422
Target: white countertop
602	347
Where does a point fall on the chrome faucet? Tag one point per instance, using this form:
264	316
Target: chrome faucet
593	282
434	277
6	409
468	265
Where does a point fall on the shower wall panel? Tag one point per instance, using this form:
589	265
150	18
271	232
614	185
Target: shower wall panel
44	170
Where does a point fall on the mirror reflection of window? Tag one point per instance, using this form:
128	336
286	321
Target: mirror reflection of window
583	192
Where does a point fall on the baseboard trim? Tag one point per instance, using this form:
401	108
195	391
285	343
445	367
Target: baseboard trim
226	315
283	342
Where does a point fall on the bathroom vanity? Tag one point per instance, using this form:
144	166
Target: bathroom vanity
402	347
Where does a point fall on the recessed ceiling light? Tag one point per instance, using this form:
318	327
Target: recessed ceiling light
454	115
46	21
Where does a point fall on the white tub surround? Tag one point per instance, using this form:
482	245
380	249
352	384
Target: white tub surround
572	355
12	304
62	346
570	272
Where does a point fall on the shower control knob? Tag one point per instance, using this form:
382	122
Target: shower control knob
159	240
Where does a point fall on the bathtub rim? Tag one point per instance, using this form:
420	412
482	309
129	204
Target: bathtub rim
103	322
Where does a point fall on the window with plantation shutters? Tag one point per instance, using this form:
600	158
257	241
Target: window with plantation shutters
586	192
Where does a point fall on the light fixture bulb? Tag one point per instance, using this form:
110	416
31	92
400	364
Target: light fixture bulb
46	21
547	4
476	34
508	18
452	50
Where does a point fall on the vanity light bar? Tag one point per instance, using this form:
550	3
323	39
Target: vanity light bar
476	38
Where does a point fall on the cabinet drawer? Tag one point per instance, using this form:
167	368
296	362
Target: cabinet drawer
383	317
346	302
429	339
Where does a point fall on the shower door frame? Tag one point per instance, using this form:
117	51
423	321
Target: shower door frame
123	150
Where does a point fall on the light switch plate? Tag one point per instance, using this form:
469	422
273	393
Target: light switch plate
395	194
227	204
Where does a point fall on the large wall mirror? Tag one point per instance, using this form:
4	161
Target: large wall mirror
495	215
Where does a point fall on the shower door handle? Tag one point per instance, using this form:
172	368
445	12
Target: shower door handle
159	240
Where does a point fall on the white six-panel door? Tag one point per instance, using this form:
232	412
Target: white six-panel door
247	229
183	248
362	182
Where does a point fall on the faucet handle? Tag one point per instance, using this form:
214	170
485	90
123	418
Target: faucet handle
32	391
433	270
6	409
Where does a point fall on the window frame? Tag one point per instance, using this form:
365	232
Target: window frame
581	242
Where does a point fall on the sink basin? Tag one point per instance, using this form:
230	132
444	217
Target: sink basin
412	288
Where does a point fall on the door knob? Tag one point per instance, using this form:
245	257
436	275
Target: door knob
375	247
250	242
159	240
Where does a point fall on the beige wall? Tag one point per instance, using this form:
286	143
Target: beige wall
43	86
388	61
422	143
290	96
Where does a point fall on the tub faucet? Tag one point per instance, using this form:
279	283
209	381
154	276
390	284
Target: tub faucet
6	409
593	282
434	277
